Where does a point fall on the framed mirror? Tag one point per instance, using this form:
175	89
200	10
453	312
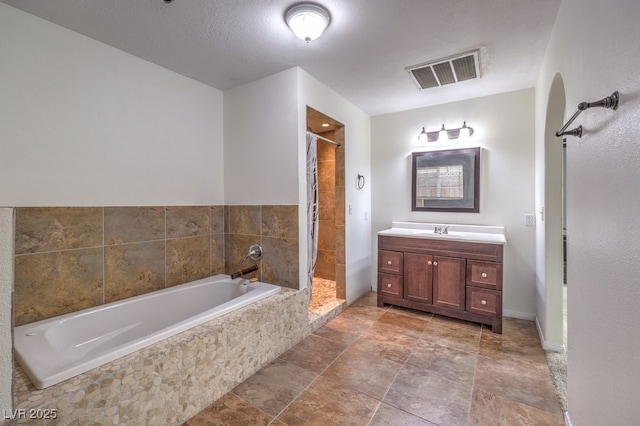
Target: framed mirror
446	181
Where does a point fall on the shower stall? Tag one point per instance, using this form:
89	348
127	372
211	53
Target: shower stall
327	277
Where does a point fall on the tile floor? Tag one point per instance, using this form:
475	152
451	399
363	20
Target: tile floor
391	366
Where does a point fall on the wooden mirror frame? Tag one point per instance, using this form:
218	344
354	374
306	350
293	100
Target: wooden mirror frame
469	159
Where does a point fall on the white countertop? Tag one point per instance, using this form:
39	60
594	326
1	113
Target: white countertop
469	233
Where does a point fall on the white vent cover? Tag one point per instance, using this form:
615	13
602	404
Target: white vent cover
453	69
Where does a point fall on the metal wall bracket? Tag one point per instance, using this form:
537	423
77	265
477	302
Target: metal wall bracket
610	102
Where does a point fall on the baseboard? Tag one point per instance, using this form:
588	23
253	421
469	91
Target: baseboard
546	345
518	315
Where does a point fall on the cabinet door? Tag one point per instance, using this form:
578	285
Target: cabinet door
418	275
449	282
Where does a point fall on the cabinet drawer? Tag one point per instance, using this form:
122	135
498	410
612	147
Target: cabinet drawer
484	274
390	284
484	302
390	262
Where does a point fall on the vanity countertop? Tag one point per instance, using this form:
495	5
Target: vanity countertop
468	233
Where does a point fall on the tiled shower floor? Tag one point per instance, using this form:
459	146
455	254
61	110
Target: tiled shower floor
390	366
324	293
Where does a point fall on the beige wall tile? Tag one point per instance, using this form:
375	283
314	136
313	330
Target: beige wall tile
133	269
326	265
341	282
217	254
244	220
236	248
56	283
42	229
340	244
340	206
133	224
280	221
187	259
326	235
280	262
188	221
217	219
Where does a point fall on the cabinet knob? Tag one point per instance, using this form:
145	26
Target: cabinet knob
389	285
484	275
435	263
388	262
429	262
484	302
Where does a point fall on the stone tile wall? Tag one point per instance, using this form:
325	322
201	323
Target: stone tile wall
273	227
72	258
172	380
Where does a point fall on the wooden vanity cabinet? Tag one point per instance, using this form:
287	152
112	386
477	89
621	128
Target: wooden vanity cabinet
451	278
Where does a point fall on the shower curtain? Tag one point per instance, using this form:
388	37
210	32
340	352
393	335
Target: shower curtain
312	207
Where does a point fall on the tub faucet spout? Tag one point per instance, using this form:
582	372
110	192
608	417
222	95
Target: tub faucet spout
244	272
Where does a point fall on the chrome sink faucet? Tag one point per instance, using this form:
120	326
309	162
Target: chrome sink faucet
441	229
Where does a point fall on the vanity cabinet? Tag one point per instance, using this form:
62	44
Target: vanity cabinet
452	278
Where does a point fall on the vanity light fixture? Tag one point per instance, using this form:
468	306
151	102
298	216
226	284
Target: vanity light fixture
307	20
464	131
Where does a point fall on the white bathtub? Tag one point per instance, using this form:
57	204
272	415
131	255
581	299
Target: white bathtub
53	350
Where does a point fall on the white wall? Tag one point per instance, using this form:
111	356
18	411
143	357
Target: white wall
265	157
504	128
357	134
6	288
593	47
82	123
261	141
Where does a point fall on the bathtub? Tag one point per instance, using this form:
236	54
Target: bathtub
56	349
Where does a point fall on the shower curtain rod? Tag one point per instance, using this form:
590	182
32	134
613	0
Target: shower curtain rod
324	139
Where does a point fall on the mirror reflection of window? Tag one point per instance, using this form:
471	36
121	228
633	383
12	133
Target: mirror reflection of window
446	180
439	183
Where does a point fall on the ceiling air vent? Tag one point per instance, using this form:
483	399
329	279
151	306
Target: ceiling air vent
446	70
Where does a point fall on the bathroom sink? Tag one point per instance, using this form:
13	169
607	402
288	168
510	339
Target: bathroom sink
451	234
466	233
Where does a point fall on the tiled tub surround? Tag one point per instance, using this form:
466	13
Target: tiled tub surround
71	258
172	380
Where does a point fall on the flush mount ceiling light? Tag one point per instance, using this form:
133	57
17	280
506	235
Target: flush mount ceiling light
464	131
307	21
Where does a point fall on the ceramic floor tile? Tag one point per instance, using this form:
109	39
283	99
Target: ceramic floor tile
392	346
430	396
327	403
398	323
230	410
454	322
388	415
348	324
510	344
488	409
456	336
369	299
368	314
518	380
411	312
274	387
314	353
455	372
363	371
450	363
336	335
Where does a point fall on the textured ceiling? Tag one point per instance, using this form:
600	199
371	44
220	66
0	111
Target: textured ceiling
362	55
